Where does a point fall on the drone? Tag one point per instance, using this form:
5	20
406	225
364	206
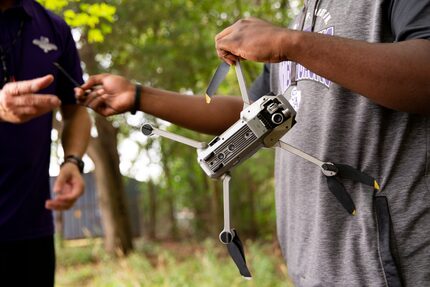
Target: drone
262	124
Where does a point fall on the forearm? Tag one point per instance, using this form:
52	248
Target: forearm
192	112
394	75
76	131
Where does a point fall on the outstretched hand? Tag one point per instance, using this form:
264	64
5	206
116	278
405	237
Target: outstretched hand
19	103
251	39
108	94
68	187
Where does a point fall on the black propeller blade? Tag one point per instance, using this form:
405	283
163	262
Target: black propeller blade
235	248
339	191
347	171
219	76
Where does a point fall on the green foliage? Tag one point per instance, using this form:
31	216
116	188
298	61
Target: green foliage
95	18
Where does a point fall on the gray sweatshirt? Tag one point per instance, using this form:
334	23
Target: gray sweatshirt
323	245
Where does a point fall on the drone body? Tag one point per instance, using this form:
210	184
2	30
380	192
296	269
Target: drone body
261	124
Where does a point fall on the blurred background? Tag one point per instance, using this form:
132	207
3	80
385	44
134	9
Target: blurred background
150	216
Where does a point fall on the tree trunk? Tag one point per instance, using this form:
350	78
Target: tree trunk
152	224
110	189
216	206
170	198
174	234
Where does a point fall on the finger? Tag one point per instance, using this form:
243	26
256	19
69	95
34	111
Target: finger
227	57
66	199
100	106
54	204
73	192
37	101
95	96
79	92
28	87
60	183
81	95
94	80
91	95
224	33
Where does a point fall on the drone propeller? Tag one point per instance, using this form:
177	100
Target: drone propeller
349	172
338	189
332	172
220	74
235	248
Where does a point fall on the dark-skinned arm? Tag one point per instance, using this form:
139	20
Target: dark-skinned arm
192	112
394	75
116	95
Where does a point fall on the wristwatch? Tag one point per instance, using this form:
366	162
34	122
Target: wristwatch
75	160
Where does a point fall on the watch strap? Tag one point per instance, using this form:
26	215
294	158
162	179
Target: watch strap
75	160
137	96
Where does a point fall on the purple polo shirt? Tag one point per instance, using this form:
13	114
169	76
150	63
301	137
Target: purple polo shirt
25	148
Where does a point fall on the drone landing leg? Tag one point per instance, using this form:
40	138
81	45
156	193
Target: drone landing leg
229	236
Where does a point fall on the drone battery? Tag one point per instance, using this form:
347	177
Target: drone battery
232	147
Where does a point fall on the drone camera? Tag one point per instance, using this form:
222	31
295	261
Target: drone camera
277	118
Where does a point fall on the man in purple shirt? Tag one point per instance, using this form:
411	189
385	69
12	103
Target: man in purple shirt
31	39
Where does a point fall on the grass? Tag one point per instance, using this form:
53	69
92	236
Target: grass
168	264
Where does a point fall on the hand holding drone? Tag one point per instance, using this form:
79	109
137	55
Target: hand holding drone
262	124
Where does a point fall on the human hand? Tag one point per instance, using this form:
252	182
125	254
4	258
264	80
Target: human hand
251	39
68	187
19	103
115	94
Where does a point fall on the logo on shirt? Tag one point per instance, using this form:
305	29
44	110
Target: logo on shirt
43	43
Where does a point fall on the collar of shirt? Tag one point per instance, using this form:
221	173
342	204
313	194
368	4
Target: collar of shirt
21	7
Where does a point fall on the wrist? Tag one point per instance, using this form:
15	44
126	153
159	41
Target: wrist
288	44
73	159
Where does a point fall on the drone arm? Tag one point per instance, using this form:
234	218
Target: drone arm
149	130
226	196
300	153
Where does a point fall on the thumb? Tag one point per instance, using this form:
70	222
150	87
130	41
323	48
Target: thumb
41	83
59	184
93	80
